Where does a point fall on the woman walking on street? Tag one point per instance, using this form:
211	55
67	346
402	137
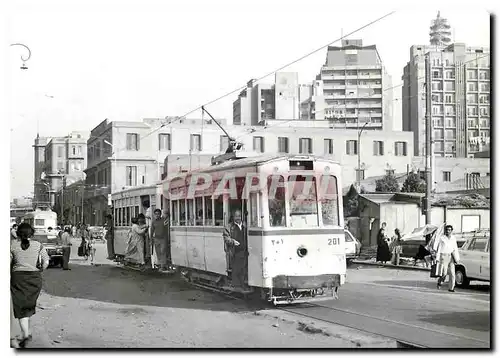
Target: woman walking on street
383	252
136	246
397	248
28	258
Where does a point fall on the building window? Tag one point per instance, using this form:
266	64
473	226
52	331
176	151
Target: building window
305	145
258	144
60	166
195	143
400	149
60	152
79	150
328	146
73	148
131	176
351	147
283	145
224	143
132	141
378	147
360	174
98	150
162	170
164	142
446	176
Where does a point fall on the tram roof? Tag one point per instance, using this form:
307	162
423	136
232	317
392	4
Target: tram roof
265	158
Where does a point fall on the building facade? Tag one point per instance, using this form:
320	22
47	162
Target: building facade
41	189
459	94
353	88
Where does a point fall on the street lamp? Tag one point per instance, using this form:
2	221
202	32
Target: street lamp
359	155
24	67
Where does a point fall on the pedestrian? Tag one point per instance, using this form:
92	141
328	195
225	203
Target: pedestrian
66	246
235	246
91	249
109	237
447	256
397	248
383	252
28	258
159	233
136	247
13	232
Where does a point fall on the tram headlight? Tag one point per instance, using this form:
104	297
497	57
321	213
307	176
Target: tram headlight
302	251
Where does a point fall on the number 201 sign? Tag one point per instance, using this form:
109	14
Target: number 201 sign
334	241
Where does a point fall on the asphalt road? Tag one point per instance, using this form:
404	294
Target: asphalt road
407	306
400	304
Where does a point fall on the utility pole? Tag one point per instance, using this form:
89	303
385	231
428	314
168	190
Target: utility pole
428	140
359	153
62	200
83	194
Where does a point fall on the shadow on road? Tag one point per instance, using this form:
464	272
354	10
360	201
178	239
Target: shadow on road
432	285
473	320
112	284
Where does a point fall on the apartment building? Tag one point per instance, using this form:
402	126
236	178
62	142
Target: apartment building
64	160
459	94
353	87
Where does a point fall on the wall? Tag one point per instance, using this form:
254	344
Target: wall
287	95
454	217
400	215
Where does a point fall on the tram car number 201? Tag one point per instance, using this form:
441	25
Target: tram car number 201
334	241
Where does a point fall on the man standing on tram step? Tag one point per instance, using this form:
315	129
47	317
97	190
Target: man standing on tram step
159	235
109	237
235	244
66	246
148	250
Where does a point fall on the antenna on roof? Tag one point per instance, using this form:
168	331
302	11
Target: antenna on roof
233	144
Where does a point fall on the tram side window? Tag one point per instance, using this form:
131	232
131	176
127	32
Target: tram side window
209	217
39	222
219	211
199	211
182	213
136	211
276	200
173	214
190	212
303	201
128	216
328	196
254	213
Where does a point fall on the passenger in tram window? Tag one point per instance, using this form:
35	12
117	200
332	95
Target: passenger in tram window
235	246
159	231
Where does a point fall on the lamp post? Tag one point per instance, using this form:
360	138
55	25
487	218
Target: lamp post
24	67
359	155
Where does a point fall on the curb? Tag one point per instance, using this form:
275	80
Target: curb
401	267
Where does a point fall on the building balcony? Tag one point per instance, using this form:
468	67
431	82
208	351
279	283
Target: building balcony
370	105
369	76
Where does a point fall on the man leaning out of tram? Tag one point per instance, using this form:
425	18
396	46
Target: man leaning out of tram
235	245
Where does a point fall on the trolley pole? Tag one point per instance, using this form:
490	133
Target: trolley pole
428	140
62	201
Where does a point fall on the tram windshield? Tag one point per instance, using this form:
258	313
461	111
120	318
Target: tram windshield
303	201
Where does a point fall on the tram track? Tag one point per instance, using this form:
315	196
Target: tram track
421	337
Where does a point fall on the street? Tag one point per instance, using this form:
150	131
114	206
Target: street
105	306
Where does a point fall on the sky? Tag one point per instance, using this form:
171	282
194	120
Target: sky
130	60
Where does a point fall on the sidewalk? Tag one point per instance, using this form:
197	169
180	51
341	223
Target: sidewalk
405	264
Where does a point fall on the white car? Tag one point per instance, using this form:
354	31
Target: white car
352	246
474	261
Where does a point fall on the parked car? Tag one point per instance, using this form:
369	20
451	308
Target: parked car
474	260
97	232
54	249
352	246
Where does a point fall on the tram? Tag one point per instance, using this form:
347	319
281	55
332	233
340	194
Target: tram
295	237
41	220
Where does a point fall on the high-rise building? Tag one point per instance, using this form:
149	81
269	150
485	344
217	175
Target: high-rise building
460	97
353	88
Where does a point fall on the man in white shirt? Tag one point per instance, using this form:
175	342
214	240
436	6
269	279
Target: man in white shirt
448	256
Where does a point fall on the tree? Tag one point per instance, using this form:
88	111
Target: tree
388	184
351	202
413	184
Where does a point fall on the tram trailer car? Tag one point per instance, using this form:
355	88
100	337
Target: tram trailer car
296	250
128	204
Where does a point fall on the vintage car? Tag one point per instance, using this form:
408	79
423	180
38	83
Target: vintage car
54	249
352	246
474	262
